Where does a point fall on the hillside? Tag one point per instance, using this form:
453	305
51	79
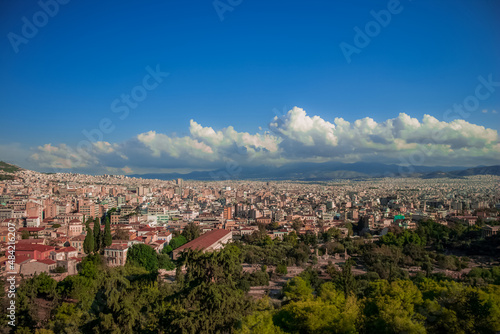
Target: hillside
487	170
8	168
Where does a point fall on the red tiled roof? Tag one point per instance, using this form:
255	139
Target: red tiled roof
30	241
119	242
33	247
205	240
147	229
21	258
118	246
31	229
47	261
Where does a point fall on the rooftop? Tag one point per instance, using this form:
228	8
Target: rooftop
205	240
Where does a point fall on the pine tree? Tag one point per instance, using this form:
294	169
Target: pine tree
88	243
107	240
97	235
347	278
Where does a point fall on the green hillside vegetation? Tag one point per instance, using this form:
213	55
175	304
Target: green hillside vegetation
4	177
8	168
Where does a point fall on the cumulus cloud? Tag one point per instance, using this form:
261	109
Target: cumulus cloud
391	141
63	157
292	137
309	131
174	147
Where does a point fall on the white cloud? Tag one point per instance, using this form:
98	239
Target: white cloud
304	129
63	157
175	147
293	137
103	147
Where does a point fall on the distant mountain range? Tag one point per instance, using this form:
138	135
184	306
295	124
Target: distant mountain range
458	174
308	171
328	171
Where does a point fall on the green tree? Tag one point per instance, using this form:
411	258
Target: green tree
177	241
25	234
427	267
191	231
291	238
121	234
330	312
107	240
297	224
297	289
67	319
88	243
347	280
454	307
167	249
29	292
91	266
259	322
332	233
97	235
143	256
391	308
209	300
164	262
281	269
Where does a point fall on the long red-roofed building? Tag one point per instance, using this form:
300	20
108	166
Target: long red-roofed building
209	241
34	251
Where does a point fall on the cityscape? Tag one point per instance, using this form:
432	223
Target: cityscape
250	167
54	215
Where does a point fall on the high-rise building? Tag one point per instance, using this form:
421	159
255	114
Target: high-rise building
179	182
228	212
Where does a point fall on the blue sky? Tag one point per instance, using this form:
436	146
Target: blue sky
261	60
